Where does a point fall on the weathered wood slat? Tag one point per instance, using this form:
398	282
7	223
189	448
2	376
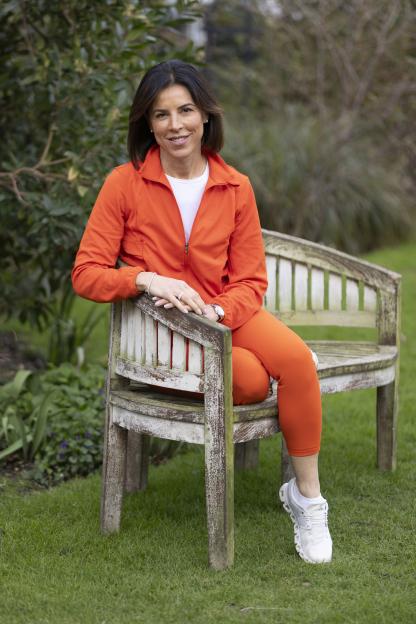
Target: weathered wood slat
317	289
138	335
335	292
285	284
301	286
178	352
159	427
131	330
163	345
341	318
195	358
124	328
352	295
370	299
271	267
367	379
150	341
160	376
262	428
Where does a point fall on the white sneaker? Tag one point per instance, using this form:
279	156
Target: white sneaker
312	538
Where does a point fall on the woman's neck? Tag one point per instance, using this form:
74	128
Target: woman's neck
184	168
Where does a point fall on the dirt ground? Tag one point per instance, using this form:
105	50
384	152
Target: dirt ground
16	354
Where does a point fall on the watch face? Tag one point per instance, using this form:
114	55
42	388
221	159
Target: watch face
218	309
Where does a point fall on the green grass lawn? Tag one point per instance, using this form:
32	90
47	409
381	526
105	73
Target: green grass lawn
56	567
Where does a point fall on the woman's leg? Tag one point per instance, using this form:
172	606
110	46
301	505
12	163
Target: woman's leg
288	360
251	381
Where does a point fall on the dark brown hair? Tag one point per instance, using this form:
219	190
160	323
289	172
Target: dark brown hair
163	75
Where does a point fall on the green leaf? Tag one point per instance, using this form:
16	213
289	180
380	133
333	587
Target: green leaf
13	388
11	449
41	421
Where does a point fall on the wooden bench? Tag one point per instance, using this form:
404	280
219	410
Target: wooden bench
309	285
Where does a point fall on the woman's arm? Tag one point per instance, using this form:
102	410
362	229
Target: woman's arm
94	275
247	278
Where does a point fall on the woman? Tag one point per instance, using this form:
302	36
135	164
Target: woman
187	226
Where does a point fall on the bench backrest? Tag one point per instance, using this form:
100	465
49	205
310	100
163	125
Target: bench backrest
309	284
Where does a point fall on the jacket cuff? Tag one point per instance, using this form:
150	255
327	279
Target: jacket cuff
129	275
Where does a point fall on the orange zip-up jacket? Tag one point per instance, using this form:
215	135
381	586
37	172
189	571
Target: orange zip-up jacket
136	218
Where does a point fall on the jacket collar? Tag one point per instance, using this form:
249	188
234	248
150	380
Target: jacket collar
219	172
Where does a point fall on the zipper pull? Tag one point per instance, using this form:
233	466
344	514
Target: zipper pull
186	248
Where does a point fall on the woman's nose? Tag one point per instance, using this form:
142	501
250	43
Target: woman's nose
175	122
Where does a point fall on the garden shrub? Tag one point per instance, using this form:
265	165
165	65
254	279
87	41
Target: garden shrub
71	443
56	421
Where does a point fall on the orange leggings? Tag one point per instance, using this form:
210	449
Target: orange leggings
264	347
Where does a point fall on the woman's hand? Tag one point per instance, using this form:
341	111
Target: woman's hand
170	292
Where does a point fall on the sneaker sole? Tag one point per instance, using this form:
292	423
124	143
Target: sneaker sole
298	544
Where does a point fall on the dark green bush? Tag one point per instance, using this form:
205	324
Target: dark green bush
54	419
73	442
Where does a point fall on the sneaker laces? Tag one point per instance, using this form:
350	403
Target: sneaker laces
315	518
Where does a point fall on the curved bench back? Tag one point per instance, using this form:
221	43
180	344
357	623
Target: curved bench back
310	284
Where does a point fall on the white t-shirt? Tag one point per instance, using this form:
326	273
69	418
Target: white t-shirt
188	194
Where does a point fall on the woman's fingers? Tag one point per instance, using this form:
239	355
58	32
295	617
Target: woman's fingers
169	305
176	293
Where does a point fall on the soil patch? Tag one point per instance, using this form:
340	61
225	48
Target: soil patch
15	354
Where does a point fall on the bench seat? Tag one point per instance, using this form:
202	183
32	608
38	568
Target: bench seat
342	366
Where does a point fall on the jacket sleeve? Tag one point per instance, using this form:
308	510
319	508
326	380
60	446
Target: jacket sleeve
247	277
94	275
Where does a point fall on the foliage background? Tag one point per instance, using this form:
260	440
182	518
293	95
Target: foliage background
69	72
320	103
320	109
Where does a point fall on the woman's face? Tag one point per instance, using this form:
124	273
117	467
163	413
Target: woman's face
177	123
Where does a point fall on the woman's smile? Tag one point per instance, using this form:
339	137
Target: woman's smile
179	140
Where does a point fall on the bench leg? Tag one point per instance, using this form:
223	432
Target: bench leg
246	455
286	464
219	488
137	462
387	408
115	443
